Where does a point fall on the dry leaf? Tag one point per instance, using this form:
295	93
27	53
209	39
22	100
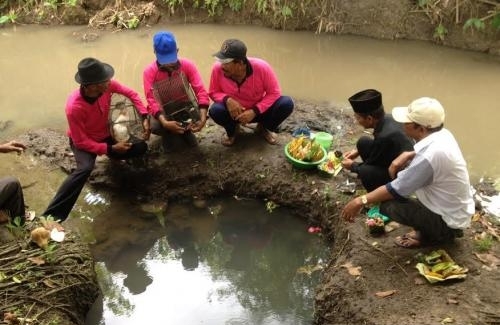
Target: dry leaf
36	260
452	301
447	320
353	270
489	259
383	294
10	318
49	283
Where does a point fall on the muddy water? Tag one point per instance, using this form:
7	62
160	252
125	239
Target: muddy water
38	65
231	262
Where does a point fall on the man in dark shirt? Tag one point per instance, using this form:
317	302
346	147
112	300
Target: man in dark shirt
376	153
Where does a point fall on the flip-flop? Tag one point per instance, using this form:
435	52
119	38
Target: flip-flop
407	242
412	235
270	137
227	141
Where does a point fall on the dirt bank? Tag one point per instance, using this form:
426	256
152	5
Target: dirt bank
252	168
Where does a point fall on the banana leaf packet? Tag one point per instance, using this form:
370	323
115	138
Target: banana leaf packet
438	266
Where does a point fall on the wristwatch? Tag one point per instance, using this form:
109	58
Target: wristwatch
364	199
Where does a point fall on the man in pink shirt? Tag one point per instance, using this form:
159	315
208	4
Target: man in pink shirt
87	111
246	90
165	82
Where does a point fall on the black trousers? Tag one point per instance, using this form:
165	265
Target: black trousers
414	214
67	194
11	197
371	176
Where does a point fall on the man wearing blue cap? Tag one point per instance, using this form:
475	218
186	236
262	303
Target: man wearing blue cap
377	153
177	99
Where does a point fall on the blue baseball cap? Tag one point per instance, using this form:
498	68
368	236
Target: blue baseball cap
165	47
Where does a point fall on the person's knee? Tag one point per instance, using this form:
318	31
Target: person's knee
364	144
11	182
217	110
140	148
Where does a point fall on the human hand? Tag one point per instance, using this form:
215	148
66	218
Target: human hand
198	126
351	209
121	147
147	129
174	127
234	108
246	117
12	146
347	163
352	154
400	163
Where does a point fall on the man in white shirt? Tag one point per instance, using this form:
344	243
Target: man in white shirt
435	172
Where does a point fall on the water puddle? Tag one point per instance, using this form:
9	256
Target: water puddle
228	262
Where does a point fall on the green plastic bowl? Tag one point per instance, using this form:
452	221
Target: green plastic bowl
304	164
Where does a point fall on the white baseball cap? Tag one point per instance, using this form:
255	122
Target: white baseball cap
424	111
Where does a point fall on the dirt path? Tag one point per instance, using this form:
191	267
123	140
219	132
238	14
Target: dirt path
252	168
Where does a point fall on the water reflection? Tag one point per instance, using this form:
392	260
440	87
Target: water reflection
238	265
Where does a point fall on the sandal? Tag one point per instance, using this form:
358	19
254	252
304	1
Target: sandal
407	242
412	235
270	137
227	141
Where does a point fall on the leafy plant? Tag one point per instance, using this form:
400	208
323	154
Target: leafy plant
49	253
235	5
440	32
51	4
261	6
16	227
133	22
11	17
484	244
475	23
270	206
70	3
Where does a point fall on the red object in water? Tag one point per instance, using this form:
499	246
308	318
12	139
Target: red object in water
314	230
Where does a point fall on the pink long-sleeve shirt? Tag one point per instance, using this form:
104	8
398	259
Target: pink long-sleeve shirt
260	89
152	74
88	123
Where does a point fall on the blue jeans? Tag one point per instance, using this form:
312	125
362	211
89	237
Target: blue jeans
270	119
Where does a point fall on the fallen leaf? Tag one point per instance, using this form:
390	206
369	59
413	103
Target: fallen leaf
16	279
36	260
447	320
452	301
49	283
491	260
383	294
353	270
10	318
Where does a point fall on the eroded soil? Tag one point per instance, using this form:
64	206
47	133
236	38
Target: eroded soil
253	168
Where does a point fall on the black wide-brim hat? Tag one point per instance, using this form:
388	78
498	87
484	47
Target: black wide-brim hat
93	71
366	101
